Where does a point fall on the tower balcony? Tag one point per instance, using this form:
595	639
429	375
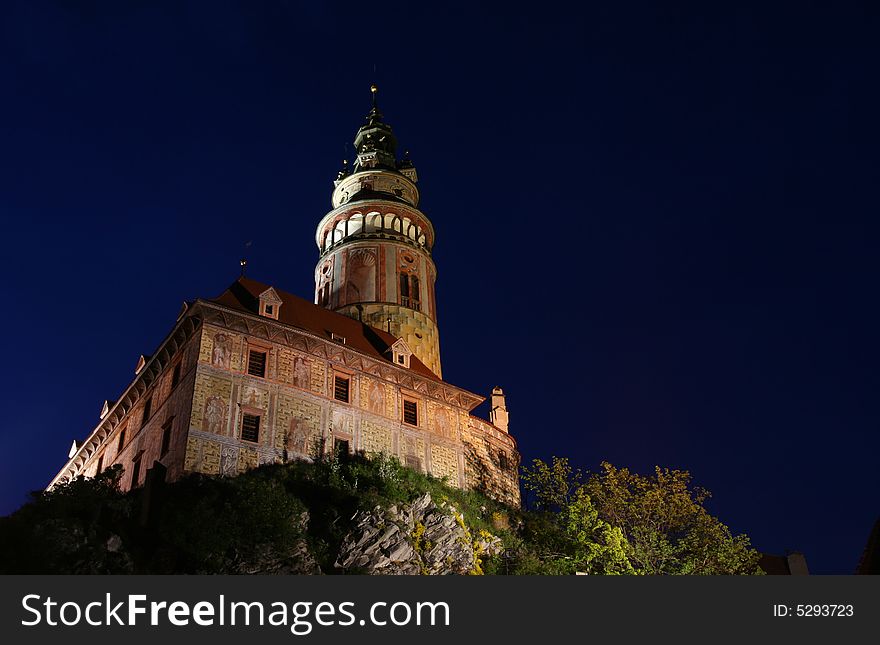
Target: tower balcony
375	220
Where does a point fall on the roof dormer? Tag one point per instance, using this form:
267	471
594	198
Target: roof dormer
400	353
270	303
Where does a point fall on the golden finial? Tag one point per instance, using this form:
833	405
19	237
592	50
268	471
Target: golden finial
374	89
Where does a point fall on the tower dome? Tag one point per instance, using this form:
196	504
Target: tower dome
375	244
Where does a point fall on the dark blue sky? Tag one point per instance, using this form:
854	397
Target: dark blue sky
656	226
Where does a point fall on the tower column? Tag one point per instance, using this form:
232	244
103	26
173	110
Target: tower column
375	245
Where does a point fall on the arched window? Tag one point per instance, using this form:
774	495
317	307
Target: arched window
373	222
410	294
324	295
354	224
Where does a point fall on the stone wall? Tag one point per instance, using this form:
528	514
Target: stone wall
491	461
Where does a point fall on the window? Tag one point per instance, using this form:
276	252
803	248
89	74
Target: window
410	412
175	376
341	387
148	408
136	471
410	295
270	303
256	363
121	443
401	352
340	447
100	467
324	295
166	436
250	427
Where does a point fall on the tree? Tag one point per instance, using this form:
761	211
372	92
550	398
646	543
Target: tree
567	533
666	525
598	547
552	484
617	521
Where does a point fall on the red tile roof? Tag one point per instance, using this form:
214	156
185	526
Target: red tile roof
244	295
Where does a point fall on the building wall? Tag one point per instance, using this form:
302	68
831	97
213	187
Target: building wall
298	414
490	464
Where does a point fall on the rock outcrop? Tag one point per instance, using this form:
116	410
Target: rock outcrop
417	538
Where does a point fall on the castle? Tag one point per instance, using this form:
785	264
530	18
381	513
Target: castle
258	375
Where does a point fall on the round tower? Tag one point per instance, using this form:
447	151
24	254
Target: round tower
375	263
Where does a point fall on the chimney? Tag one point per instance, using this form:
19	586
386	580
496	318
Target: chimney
498	415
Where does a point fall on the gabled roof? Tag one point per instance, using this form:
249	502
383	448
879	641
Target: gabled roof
400	346
271	296
244	295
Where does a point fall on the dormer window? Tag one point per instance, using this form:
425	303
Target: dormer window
270	303
400	353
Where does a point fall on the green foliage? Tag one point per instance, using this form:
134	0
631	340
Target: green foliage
420	545
67	529
621	522
552	484
227	524
667	526
598	547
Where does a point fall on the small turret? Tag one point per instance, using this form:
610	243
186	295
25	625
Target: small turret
498	414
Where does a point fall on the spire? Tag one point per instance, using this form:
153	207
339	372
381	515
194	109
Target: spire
375	143
375	116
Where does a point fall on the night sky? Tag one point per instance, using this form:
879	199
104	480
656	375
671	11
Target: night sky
656	226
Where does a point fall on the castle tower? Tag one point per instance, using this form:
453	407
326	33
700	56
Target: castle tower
375	264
